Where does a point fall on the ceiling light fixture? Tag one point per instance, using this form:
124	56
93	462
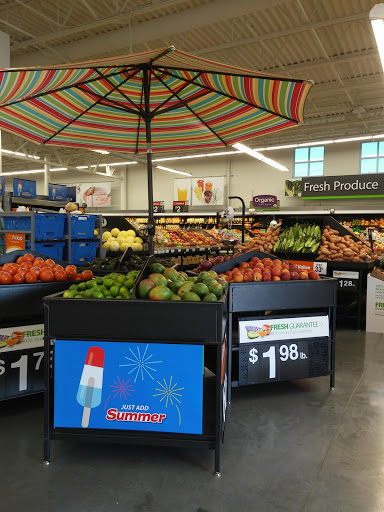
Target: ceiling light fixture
173	170
101	151
376	15
19	154
353	139
259	156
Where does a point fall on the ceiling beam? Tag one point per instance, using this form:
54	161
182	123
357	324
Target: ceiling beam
158	28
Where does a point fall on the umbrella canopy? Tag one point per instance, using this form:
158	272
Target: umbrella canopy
162	100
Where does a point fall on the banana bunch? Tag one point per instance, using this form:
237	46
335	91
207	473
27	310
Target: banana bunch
303	238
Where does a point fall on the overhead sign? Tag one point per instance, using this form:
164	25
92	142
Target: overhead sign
343	187
24	188
275	329
265	201
129	386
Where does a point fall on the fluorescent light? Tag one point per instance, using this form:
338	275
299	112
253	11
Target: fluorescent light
376	15
259	156
82	167
19	154
173	170
223	153
100	151
21	172
318	143
353	139
378	136
282	147
59	169
115	164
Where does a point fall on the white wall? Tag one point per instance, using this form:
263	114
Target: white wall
248	177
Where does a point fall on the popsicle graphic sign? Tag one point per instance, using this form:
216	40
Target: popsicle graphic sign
128	386
91	383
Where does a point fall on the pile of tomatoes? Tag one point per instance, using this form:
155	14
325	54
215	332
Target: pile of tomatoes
29	269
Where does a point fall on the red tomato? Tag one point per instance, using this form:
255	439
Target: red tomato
35	270
11	268
20	260
5	278
57	267
26	265
18	279
60	275
28	257
71	268
77	278
50	263
30	277
39	262
22	271
86	275
46	276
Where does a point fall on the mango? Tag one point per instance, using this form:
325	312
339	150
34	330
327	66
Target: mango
200	289
202	276
184	289
144	288
158	279
160	293
216	289
171	274
211	297
156	268
175	286
191	296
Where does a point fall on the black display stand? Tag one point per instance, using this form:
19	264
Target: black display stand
208	331
311	357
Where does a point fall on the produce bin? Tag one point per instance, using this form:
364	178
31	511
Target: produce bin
82	252
47	226
51	249
82	226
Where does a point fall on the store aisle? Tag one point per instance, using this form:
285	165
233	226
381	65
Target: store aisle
292	447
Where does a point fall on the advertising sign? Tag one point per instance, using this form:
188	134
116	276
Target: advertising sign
318	266
266	201
94	194
375	305
24	188
57	192
129	386
14	242
343	187
274	329
20	338
208	191
182	189
2	186
71	193
293	188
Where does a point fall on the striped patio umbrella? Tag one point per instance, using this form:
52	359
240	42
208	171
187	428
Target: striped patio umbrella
161	100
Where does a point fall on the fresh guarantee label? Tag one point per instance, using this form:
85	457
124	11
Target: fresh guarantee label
283	329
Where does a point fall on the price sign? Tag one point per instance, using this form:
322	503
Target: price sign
320	267
347	280
158	206
21	372
274	362
180	206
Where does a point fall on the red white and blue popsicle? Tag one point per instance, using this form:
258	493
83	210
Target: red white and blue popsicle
91	383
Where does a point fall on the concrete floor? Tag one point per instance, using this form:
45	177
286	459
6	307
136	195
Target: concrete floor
292	447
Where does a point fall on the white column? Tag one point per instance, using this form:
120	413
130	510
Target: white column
123	188
46	177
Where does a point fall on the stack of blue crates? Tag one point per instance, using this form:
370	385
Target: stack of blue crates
83	249
49	232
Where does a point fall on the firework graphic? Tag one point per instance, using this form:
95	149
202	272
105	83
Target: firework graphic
121	388
169	393
141	363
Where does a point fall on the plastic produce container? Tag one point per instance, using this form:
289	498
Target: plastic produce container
51	249
47	226
83	252
83	226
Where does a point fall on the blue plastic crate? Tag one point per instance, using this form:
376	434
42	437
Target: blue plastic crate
82	252
47	226
83	226
51	249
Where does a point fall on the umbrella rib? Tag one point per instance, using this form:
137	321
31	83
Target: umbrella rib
266	77
231	97
174	94
178	105
139	121
121	92
89	108
189	108
114	103
59	89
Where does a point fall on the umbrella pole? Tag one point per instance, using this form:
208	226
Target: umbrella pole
148	118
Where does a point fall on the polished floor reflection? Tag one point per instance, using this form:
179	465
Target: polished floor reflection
292	447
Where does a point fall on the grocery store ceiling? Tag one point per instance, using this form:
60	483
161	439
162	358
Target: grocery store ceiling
328	41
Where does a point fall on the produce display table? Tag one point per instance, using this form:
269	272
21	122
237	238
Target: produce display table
22	318
352	287
279	331
162	380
